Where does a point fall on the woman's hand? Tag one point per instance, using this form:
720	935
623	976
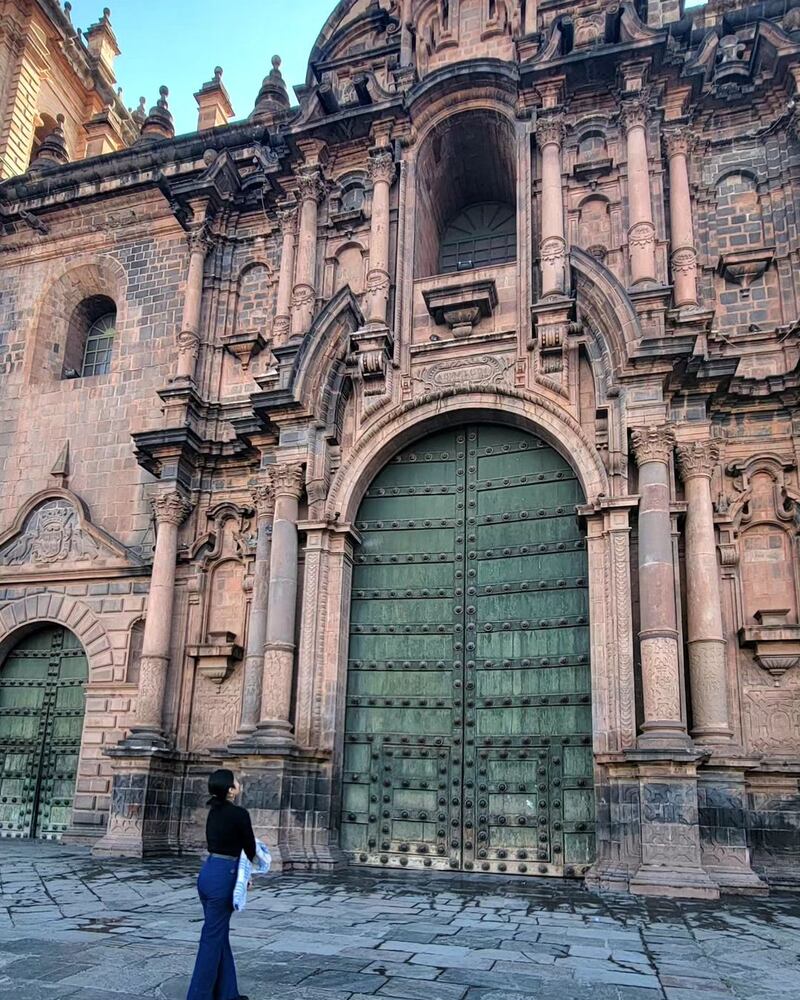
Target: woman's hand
249	884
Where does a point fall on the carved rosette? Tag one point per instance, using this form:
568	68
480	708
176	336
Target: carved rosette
642	236
653	444
679	141
634	113
287	480
264	499
311	185
550	131
171	508
381	166
697	458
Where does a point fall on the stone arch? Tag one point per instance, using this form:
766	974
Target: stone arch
255	288
349	267
406	423
29	613
75	281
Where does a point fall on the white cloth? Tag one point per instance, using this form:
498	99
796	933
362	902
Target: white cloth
247	869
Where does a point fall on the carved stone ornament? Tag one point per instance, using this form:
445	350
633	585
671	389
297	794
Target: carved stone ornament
698	458
461	306
679	141
311	185
642	235
51	534
303	296
216	658
634	113
287	480
487	369
775	641
287	218
684	261
264	499
381	167
553	250
377	281
550	130
653	444
171	508
244	345
188	343
589	30
200	240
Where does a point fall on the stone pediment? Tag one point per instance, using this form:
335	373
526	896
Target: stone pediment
53	528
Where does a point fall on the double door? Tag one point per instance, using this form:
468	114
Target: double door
468	721
41	717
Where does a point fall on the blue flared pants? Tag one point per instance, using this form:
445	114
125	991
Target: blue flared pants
214	975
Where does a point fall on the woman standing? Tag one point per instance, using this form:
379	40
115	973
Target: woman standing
228	833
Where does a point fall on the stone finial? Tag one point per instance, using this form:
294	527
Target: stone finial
273	96
102	42
139	115
53	150
159	123
213	103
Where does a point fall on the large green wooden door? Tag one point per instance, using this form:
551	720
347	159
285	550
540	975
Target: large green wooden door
468	725
41	717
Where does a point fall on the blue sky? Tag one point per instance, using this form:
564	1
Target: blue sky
179	42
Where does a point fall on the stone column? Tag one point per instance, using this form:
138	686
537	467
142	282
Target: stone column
381	172
311	189
641	233
189	338
275	726
170	509
552	249
707	666
683	256
664	725
264	501
287	217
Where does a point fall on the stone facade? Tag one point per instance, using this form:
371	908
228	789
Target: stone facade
286	323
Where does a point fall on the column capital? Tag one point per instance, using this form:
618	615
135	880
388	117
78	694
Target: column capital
287	480
200	240
171	507
263	495
679	141
381	166
697	459
653	444
634	112
550	130
287	216
311	184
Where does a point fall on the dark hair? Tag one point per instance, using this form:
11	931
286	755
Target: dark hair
219	783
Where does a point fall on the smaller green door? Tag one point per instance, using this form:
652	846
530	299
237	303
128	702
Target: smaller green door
41	718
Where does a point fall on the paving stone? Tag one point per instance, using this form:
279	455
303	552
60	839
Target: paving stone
412	989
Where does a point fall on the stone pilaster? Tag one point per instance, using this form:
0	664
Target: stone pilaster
664	723
553	247
311	190
275	727
641	231
707	666
287	218
683	256
200	243
382	173
264	502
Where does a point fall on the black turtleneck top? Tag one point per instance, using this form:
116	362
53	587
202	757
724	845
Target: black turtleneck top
229	831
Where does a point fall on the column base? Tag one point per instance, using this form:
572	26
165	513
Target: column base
144	739
664	739
684	883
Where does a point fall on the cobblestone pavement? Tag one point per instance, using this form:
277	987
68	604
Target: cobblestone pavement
72	926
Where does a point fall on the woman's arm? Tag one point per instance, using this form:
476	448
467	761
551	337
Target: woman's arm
248	837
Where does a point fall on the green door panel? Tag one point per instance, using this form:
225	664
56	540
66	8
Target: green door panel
468	725
41	718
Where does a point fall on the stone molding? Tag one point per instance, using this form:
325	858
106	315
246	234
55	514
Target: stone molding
200	240
264	499
381	167
287	218
642	235
679	141
634	113
653	444
550	131
61	610
311	185
697	458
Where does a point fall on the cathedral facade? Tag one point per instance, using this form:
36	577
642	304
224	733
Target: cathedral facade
423	446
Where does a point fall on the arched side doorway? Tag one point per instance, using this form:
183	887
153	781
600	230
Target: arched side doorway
468	721
41	717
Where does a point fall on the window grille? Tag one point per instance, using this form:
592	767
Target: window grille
99	342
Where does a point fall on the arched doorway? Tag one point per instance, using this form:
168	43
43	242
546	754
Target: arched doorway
41	718
468	722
